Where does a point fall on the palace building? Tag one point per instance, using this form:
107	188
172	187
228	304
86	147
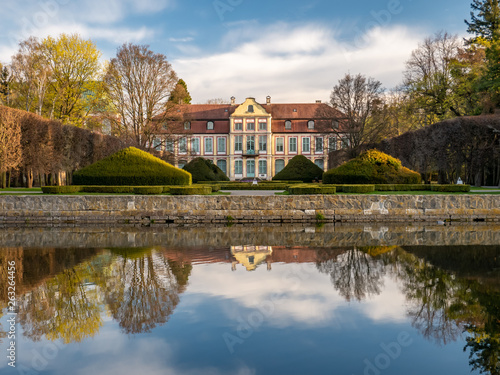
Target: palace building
253	140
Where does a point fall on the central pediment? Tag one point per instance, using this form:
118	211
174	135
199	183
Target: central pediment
250	108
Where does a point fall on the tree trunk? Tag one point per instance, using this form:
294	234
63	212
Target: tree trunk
3	180
9	176
29	179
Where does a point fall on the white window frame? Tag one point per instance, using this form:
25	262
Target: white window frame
290	151
238	138
205	144
224	149
282	139
308	139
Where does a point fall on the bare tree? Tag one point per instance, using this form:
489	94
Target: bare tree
360	100
139	83
217	101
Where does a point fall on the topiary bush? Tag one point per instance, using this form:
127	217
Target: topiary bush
303	189
131	166
61	189
299	168
451	188
372	167
403	187
108	189
148	190
358	189
191	190
204	170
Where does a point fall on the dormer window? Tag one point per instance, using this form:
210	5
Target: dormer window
335	124
187	125
288	124
310	124
210	125
250	108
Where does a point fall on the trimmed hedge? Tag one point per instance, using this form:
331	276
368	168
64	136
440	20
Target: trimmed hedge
303	189
131	166
148	190
372	167
108	189
191	190
358	189
250	186
451	188
204	170
402	187
299	168
61	189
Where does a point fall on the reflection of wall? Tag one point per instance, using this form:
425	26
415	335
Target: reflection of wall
282	235
251	256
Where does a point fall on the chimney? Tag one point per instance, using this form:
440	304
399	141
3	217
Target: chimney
268	99
318	101
233	100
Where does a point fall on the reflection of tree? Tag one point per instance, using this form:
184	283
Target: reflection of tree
353	273
147	292
66	307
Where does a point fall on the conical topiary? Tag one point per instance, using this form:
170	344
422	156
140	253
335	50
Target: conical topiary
204	170
300	168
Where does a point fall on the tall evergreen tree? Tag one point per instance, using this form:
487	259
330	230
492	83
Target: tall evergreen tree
180	94
485	20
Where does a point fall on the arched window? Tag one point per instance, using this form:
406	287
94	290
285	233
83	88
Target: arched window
210	125
250	108
288	124
310	124
222	164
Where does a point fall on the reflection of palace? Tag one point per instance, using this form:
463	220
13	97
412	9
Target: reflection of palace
249	256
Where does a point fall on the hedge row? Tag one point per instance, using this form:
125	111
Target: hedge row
358	189
61	189
191	190
143	190
451	188
402	187
148	190
250	186
302	189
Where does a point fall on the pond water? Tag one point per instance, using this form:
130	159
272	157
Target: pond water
251	300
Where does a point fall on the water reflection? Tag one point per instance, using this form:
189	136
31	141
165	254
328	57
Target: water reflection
452	292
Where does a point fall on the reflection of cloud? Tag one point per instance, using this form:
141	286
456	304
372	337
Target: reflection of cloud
311	301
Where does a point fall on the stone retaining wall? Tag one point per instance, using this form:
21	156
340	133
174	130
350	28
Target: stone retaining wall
278	209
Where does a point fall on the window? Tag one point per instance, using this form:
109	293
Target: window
183	145
280	144
262	166
310	124
320	163
332	143
263	143
195	145
164	125
210	125
335	124
209	146
250	108
306	145
250	125
238	124
279	165
187	125
263	125
157	144
346	142
238	167
250	144
238	143
169	145
222	164
292	144
288	124
221	145
181	164
319	145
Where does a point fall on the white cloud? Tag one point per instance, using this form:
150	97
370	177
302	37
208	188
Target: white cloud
181	40
291	64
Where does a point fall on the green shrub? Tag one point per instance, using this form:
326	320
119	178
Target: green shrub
109	189
61	189
191	190
303	189
358	189
250	186
451	188
299	168
166	190
204	170
131	166
402	187
372	167
148	190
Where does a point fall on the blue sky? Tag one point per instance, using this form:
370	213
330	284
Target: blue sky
293	50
